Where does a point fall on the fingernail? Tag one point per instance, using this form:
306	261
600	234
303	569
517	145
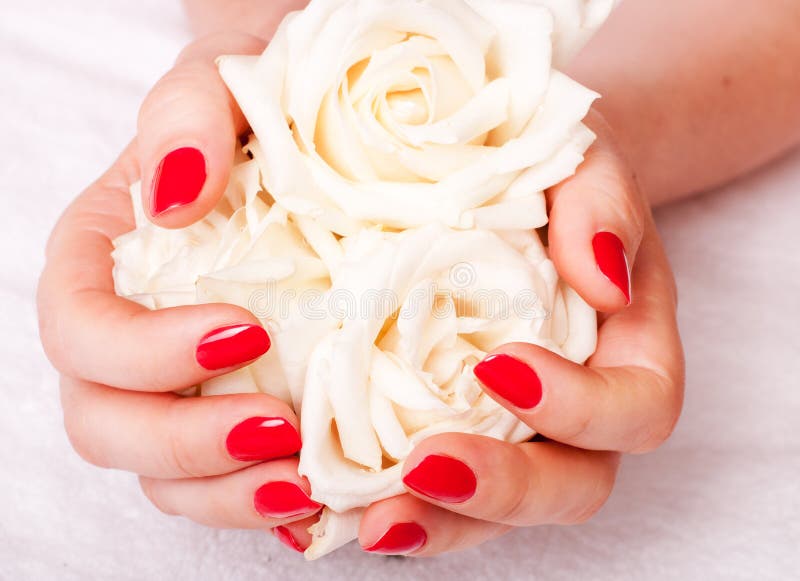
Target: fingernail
258	439
401	539
232	345
283	500
178	179
442	478
286	537
511	379
610	255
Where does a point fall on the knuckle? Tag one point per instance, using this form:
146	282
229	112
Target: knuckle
515	508
657	436
214	44
82	441
578	428
601	492
49	336
49	333
181	455
149	489
660	430
168	94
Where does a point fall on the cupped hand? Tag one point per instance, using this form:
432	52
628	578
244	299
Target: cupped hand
463	490
225	461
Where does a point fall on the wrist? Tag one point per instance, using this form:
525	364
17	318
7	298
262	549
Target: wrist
258	17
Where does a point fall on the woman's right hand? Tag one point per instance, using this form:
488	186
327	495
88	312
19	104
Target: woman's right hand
225	461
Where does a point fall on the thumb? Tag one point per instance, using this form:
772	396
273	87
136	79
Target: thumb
187	133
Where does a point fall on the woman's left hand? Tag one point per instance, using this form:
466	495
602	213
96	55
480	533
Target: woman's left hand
465	489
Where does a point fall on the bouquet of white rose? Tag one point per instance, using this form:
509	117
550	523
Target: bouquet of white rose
382	222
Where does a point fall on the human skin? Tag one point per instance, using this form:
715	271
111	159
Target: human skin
120	370
638	365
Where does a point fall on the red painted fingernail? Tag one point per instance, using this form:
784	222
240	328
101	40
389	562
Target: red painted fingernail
442	478
401	539
511	379
285	536
232	345
263	439
283	500
610	255
178	179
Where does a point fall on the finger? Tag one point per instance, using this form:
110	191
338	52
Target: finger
597	220
260	497
295	535
514	484
91	333
630	395
406	525
187	133
163	435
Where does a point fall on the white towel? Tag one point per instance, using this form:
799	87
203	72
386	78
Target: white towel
720	501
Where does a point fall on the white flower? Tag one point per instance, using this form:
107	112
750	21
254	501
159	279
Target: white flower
382	352
406	112
247	251
401	152
399	368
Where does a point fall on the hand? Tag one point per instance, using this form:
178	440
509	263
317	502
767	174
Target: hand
190	107
465	489
224	461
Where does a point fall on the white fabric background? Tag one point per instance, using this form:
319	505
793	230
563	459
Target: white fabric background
720	501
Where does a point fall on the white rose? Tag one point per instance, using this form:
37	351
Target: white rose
422	307
401	151
386	354
404	112
243	248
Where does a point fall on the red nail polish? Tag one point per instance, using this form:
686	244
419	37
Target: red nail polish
258	439
178	180
286	537
283	500
232	345
610	255
401	539
442	478
511	379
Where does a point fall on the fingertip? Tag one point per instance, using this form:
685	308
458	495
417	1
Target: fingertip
597	223
288	539
184	175
177	180
231	346
295	535
396	526
187	140
612	260
511	379
592	259
402	539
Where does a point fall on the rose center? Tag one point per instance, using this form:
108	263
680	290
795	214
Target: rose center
408	107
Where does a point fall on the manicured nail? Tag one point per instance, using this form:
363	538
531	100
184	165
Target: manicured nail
259	439
442	478
511	379
232	345
283	500
286	537
401	539
610	255
178	179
